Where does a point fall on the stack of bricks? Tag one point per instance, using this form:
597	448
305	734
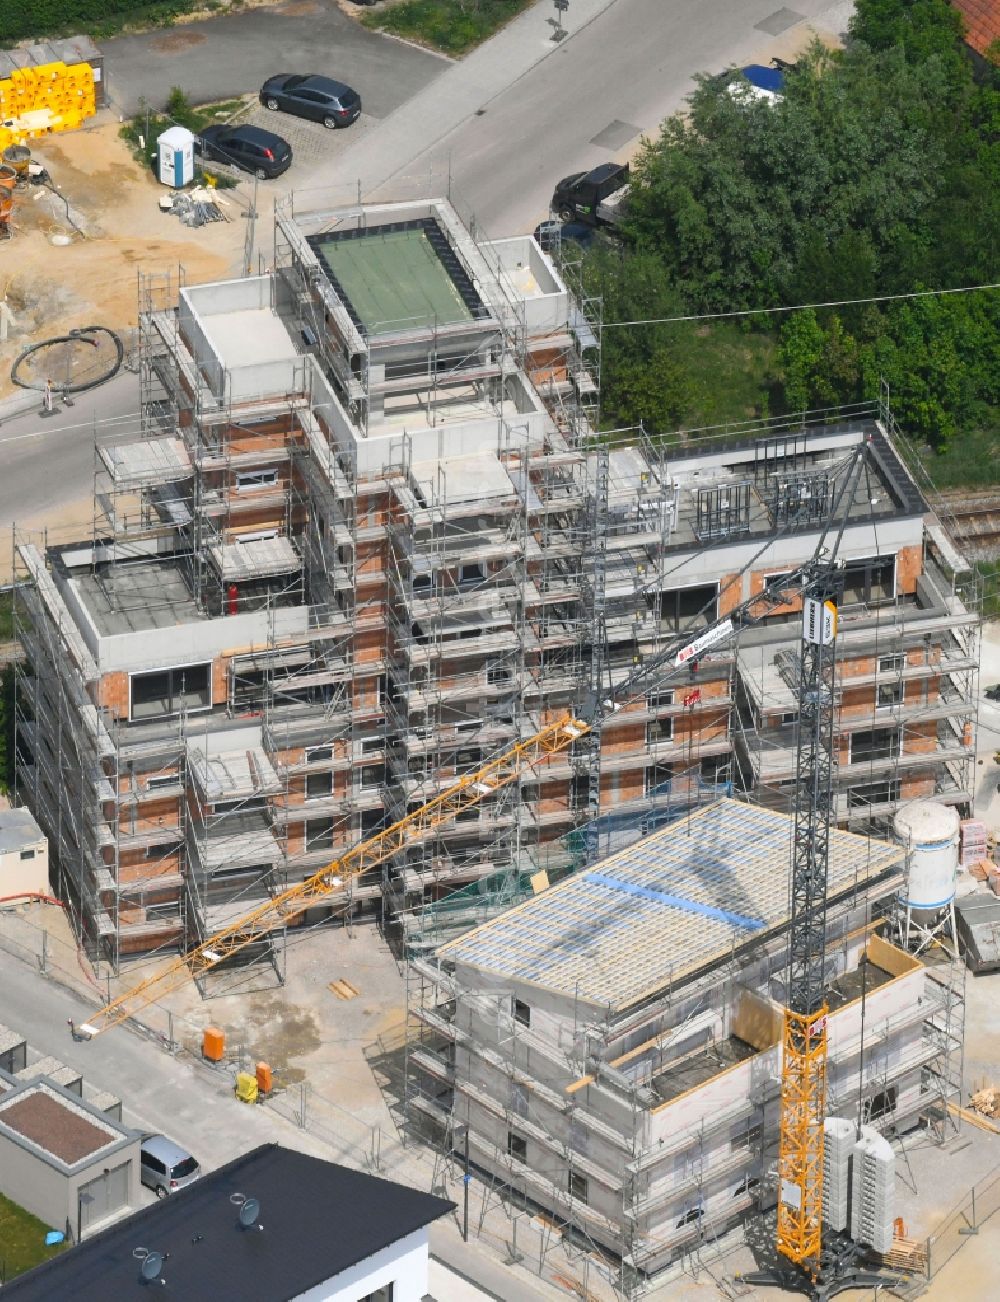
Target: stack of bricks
975	842
47	98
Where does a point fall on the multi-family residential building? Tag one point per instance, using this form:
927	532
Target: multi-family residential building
610	1049
370	536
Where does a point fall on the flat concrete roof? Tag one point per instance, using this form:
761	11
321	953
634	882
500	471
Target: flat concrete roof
17	830
10	1039
663	909
249	337
52	1069
864	979
55	1125
138	595
778	486
695	1069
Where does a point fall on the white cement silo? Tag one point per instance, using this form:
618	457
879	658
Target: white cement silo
930	834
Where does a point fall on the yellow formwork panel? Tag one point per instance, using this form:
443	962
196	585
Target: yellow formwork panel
49	97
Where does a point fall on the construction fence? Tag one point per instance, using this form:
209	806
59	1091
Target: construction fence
979	1205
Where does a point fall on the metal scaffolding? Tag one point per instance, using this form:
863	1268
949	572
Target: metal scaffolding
426	549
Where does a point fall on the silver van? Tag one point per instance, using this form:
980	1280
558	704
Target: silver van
164	1166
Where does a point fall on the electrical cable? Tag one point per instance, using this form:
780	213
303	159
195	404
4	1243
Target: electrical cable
797	307
79	336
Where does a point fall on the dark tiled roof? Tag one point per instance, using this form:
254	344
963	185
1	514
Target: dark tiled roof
318	1219
982	20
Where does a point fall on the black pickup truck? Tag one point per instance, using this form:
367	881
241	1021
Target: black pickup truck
593	198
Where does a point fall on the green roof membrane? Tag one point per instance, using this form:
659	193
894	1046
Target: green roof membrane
394	280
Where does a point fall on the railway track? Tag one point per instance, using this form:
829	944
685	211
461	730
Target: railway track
976	520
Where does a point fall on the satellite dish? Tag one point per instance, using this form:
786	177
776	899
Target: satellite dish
249	1212
152	1264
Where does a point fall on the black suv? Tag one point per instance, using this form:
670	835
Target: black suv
252	148
319	98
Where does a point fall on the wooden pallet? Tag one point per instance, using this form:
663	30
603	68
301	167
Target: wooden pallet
906	1254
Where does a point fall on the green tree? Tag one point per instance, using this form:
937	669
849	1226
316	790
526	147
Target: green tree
941	360
923	28
655	391
748	203
801	351
878	172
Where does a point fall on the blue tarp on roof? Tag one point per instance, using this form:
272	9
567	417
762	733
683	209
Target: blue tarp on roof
772	79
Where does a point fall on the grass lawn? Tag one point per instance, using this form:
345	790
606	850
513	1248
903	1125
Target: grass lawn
746	358
22	1240
142	132
451	26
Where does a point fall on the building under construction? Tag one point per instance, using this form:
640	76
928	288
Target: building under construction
610	1049
369	537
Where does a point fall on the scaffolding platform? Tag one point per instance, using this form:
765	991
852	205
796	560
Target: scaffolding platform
146	462
243	560
233	775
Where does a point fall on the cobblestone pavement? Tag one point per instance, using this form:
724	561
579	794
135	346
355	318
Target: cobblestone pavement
312	143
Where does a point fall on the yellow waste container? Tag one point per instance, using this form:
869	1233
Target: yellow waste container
246	1087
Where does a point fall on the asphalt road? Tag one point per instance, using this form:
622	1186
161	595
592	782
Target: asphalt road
47	463
595	95
230	56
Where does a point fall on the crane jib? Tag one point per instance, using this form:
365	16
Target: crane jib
709	638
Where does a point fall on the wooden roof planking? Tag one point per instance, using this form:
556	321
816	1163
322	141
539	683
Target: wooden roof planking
661	910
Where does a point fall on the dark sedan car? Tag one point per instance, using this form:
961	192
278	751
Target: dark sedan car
319	98
252	148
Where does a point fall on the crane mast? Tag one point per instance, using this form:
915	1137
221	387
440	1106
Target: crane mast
804	1022
803	1084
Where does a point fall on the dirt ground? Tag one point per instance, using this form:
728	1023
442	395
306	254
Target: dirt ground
93	279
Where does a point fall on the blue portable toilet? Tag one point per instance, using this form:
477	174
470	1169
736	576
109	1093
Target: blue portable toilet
175	157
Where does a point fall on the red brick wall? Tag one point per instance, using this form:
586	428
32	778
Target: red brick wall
909	567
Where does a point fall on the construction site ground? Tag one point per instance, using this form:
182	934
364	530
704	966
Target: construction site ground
337	1058
93	280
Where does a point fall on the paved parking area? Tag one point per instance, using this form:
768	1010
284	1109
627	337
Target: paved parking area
233	55
311	142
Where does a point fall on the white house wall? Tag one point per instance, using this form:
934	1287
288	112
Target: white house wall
402	1264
